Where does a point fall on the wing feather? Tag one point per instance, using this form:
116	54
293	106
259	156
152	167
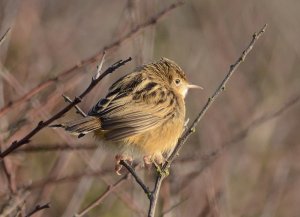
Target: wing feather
136	107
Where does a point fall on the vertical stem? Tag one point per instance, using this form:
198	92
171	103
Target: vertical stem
154	195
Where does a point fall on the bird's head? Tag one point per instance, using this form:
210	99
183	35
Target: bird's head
173	76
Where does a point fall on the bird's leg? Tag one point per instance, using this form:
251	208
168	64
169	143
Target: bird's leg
157	160
120	157
147	160
118	166
129	159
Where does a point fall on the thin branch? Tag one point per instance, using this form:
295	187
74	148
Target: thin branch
191	129
42	124
136	177
99	67
174	207
99	200
37	209
117	43
55	147
10	182
128	200
79	110
268	116
271	115
4	36
65	179
97	75
154	195
14	201
209	159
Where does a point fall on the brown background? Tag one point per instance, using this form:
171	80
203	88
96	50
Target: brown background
255	175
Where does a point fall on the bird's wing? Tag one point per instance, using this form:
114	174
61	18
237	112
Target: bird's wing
129	109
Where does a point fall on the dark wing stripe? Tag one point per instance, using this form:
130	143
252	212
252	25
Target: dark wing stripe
147	88
113	92
150	86
110	110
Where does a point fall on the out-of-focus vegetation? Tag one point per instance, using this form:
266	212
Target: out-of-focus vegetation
255	175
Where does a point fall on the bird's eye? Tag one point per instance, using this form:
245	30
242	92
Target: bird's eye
177	81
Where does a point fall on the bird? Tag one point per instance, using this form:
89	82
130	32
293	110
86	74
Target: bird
142	115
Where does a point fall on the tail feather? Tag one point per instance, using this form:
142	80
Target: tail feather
81	126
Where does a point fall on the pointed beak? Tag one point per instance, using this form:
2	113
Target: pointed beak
190	86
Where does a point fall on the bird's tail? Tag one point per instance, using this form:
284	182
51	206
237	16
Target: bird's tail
81	126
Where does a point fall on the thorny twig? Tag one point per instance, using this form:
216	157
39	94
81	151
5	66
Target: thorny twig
26	97
42	124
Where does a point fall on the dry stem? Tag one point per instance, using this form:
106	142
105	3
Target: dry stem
97	201
4	36
38	208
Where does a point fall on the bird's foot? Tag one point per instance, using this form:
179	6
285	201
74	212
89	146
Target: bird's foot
147	160
119	158
157	160
160	170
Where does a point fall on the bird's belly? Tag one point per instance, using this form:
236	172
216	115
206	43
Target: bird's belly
158	140
154	141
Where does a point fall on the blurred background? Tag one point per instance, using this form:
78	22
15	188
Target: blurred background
243	159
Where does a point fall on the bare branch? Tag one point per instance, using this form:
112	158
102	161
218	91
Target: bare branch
43	124
99	67
136	177
213	156
14	201
55	147
117	43
79	110
69	178
38	208
97	75
174	207
11	184
4	36
99	200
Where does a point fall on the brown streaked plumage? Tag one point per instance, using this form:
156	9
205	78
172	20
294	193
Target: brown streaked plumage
143	112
